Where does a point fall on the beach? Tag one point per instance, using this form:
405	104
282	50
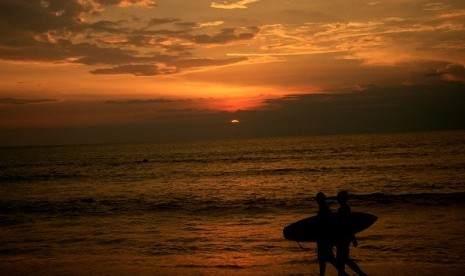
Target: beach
429	242
142	267
195	210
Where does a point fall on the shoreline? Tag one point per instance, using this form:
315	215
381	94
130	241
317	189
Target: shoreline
119	265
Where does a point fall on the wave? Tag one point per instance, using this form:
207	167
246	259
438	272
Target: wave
415	198
87	206
147	171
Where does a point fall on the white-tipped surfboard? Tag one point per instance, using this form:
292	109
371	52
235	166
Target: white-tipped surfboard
310	229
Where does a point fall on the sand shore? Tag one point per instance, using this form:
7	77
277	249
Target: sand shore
118	266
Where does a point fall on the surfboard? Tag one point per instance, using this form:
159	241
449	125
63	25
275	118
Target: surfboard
310	229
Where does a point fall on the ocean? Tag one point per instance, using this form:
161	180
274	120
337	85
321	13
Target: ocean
219	207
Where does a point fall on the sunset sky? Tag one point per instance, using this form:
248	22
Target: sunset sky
83	71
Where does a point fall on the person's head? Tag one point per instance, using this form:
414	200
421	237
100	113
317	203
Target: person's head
342	197
320	198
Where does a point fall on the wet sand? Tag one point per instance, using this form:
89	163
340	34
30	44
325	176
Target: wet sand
436	248
116	266
436	229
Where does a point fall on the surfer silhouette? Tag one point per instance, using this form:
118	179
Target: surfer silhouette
328	229
325	242
345	236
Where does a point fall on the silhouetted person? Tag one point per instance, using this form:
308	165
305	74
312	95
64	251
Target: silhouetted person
325	242
345	236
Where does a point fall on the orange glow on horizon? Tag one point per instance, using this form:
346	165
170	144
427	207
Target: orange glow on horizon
175	60
234	104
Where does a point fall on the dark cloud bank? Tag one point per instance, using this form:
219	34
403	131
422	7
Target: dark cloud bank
16	101
374	110
53	31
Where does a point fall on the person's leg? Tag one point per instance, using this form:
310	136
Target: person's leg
353	265
322	257
322	267
342	255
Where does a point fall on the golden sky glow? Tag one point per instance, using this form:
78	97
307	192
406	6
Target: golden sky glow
215	55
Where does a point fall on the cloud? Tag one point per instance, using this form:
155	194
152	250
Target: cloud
72	32
234	4
375	109
142	101
106	26
57	31
127	3
140	3
41	16
46	30
16	101
91	54
63	50
134	69
226	35
436	6
161	21
375	41
452	72
54	30
172	66
437	73
211	24
205	62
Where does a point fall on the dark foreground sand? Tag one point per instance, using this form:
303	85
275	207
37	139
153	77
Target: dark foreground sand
436	249
116	266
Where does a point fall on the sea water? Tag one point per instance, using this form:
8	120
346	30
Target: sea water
220	206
